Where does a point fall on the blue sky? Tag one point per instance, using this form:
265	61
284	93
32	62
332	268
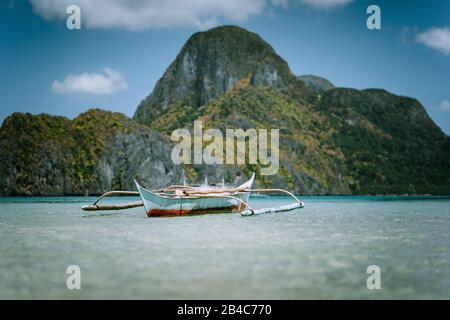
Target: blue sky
123	48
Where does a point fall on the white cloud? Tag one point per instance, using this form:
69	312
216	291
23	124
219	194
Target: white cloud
94	83
436	38
141	14
444	106
326	4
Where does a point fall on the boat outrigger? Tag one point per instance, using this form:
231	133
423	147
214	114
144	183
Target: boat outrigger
178	200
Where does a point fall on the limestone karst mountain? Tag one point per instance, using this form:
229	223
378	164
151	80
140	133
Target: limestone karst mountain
332	140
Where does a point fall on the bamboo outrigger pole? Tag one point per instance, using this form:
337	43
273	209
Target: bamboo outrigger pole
288	207
129	205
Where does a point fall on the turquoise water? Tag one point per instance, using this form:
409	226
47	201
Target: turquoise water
321	251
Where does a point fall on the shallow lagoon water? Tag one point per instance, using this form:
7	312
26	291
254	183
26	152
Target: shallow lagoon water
321	251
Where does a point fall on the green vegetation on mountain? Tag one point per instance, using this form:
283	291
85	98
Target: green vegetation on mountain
96	152
332	140
391	144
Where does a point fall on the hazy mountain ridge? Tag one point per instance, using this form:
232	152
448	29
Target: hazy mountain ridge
316	83
332	140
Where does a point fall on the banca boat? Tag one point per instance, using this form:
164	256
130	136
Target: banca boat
181	200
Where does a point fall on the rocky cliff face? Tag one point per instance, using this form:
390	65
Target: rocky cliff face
96	152
210	64
332	140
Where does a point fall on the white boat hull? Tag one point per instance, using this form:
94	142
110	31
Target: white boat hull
158	205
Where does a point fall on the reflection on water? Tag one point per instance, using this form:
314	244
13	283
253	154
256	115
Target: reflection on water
320	251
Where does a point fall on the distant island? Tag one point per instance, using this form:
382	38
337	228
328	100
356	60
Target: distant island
332	140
